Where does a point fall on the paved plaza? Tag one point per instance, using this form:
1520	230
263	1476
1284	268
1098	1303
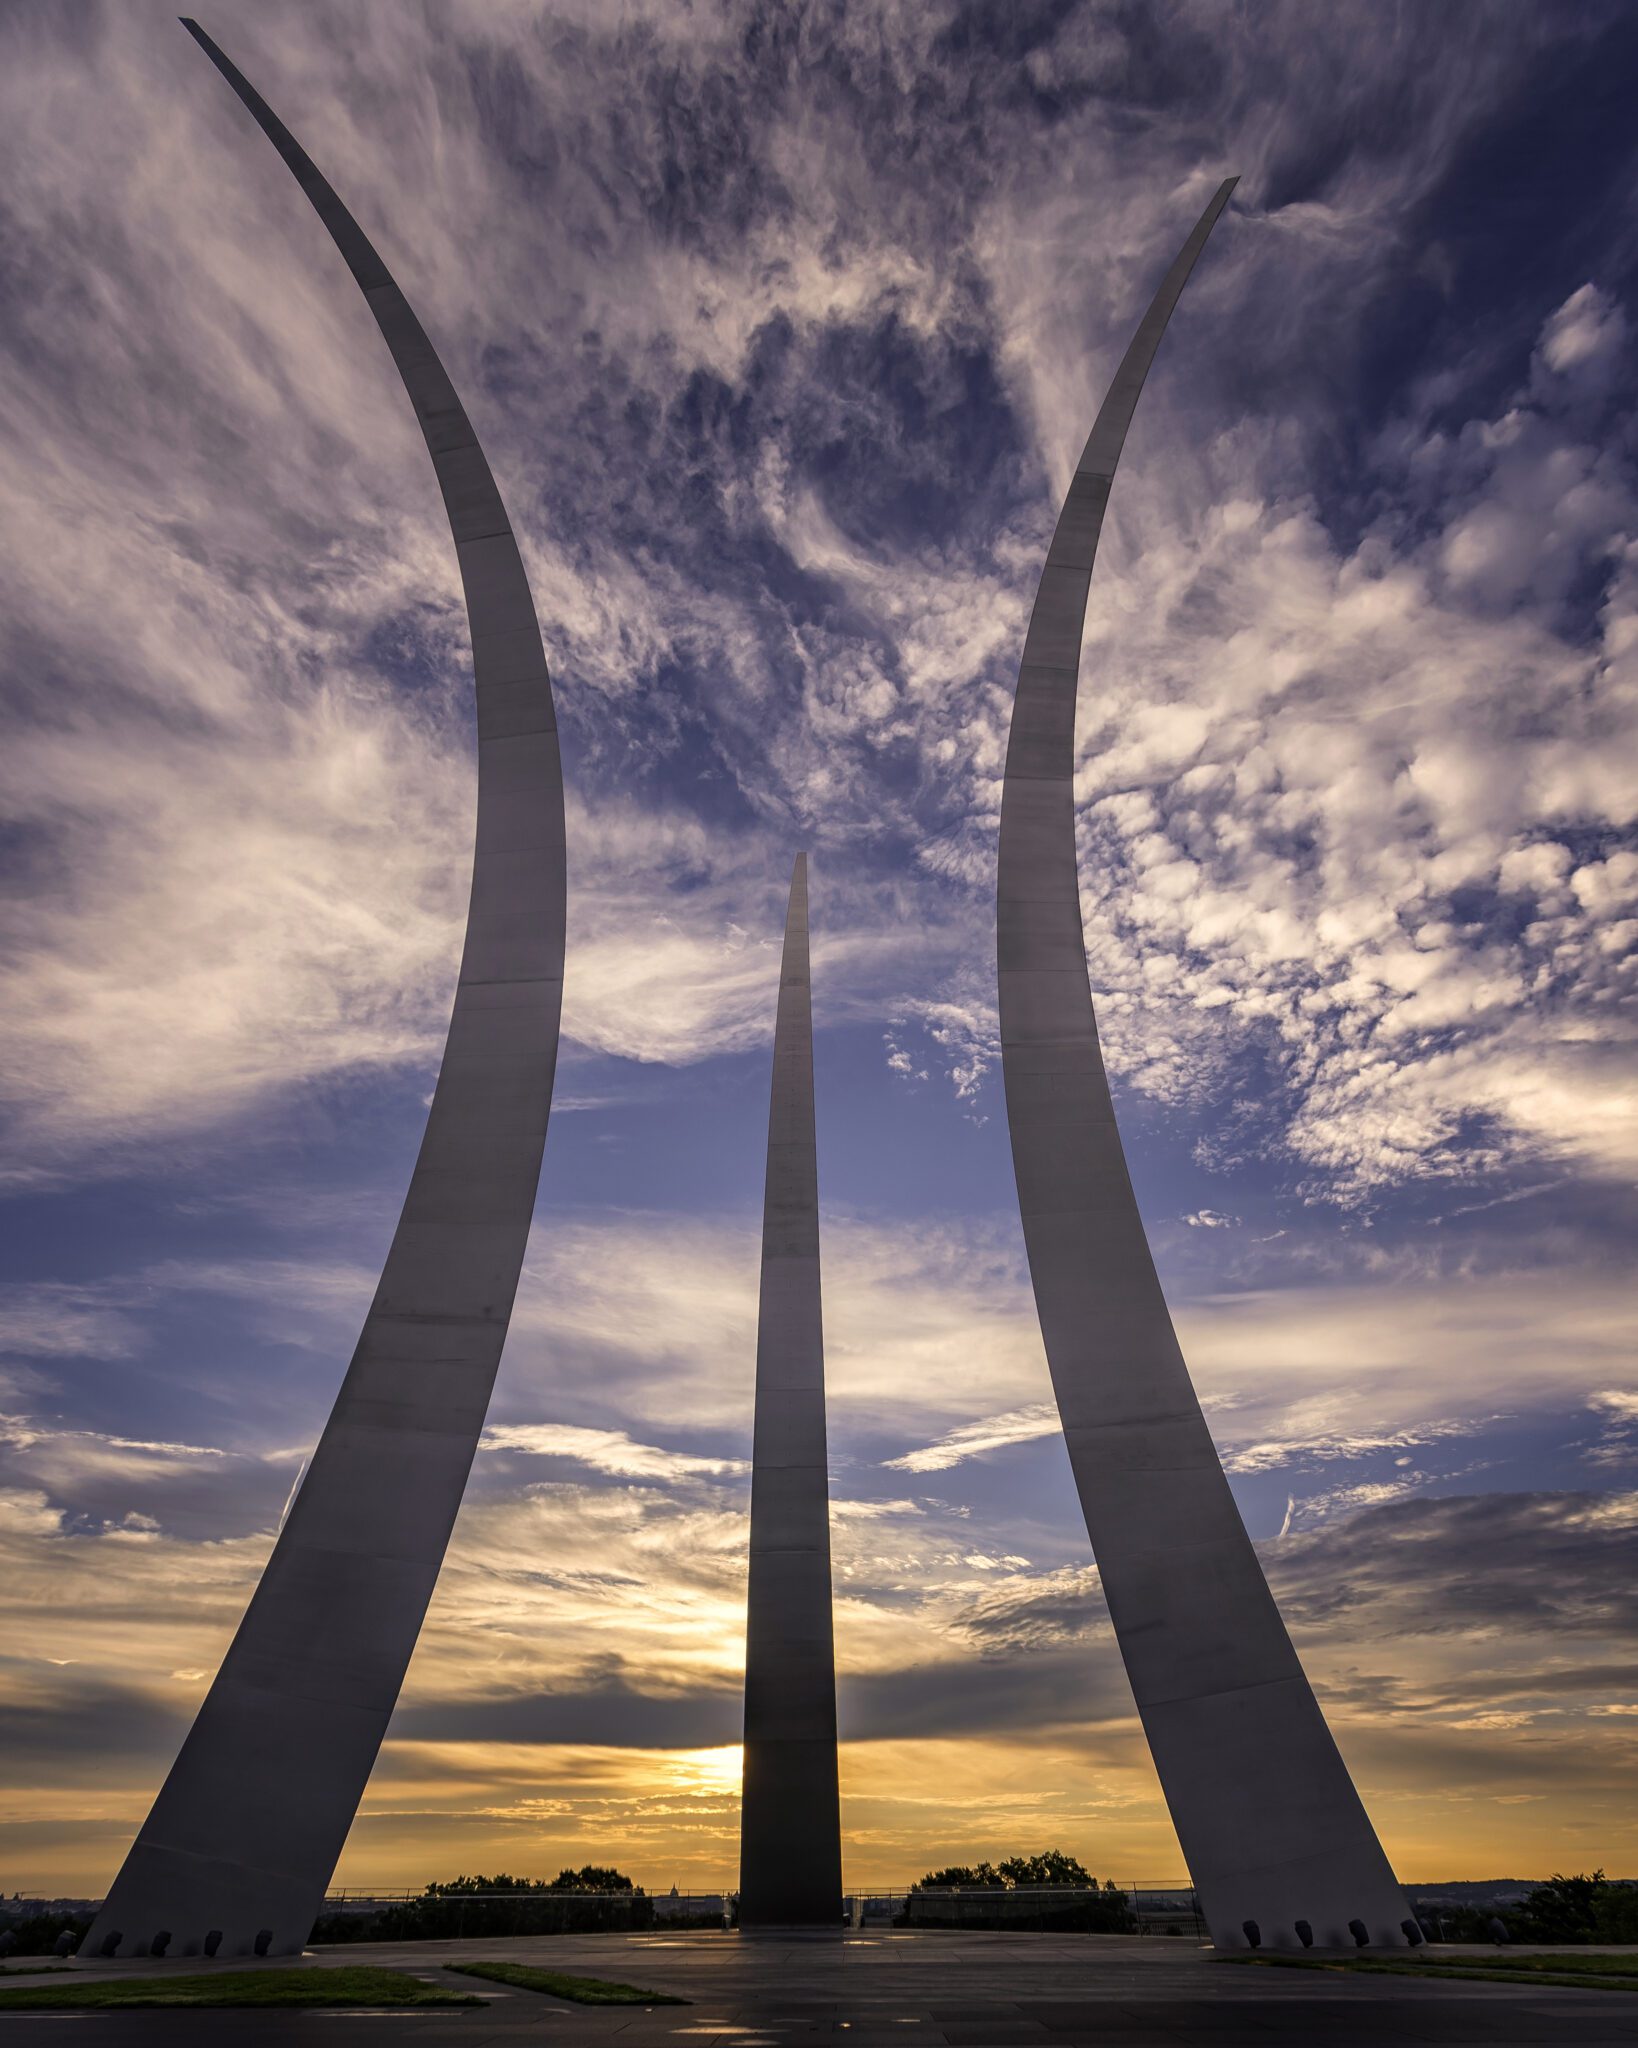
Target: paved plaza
922	1988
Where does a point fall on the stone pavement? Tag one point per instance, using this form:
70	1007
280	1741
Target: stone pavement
922	1988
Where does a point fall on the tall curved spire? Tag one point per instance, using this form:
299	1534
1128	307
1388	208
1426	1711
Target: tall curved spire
243	1837
1267	1815
790	1840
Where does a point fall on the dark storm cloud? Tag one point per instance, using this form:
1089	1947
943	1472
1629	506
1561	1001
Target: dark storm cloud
1468	1564
607	1715
1472	1563
1026	1615
59	1726
1029	1689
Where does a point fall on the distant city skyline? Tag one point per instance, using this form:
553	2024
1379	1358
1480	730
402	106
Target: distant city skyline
782	345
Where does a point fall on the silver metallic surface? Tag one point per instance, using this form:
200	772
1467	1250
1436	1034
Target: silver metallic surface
244	1834
1266	1812
790	1844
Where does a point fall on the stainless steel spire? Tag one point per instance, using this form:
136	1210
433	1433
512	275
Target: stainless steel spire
790	1855
243	1837
1267	1814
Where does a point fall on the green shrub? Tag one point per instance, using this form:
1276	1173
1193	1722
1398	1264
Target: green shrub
37	1935
1588	1907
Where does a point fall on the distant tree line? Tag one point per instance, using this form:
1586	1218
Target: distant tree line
590	1877
1586	1908
42	1927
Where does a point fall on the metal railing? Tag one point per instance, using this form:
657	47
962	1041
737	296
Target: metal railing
1164	1908
1167	1907
354	1913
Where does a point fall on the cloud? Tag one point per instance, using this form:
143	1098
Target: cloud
1276	1455
1583	336
782	337
55	1319
574	1616
762	638
972	1439
26	1436
230	898
1397	1023
604	1450
1043	1610
655	1315
1290	846
1617	1444
1300	1377
1524	1194
1483	1563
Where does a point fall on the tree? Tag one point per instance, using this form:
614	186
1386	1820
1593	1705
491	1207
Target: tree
1052	1866
465	1887
591	1877
1574	1909
964	1877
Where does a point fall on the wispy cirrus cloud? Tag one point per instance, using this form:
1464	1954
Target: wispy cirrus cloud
1616	1409
782	333
604	1450
1292	735
1276	1454
973	1439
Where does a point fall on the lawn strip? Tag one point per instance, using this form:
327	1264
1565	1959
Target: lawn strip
1594	1963
582	1990
1598	1977
348	1986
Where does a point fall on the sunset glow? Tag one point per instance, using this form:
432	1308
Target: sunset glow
782	340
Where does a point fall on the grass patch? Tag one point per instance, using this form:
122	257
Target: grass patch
1594	1963
341	1987
32	1969
1592	1973
582	1990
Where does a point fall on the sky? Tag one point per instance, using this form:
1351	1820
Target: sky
782	327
